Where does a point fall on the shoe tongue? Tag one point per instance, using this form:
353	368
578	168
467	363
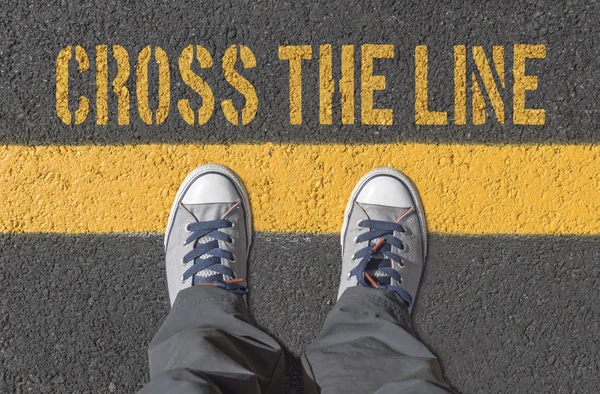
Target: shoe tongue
206	212
382	212
202	213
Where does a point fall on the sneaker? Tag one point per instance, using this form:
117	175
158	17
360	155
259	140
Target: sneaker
384	238
209	232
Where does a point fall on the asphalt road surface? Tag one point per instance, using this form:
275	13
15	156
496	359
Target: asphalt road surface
505	313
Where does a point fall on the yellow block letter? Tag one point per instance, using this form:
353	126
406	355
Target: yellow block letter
522	83
101	84
295	54
62	85
460	84
197	84
487	77
326	84
122	58
370	83
422	114
164	85
123	70
240	83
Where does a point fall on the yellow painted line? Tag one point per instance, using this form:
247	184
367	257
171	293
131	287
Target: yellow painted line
466	189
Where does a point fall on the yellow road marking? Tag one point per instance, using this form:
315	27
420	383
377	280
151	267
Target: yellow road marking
466	189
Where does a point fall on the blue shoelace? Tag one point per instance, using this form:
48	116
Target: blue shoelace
379	257
214	253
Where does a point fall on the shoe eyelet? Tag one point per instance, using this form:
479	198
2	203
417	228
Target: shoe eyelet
353	258
232	225
232	242
403	248
183	262
234	259
402	265
183	280
187	228
349	276
356	241
358	226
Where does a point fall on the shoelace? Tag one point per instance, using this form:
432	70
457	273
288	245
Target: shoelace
213	253
371	257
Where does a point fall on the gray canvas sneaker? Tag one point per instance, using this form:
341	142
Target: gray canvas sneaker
384	238
209	232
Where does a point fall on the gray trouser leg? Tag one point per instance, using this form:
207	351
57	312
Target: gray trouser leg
207	344
367	346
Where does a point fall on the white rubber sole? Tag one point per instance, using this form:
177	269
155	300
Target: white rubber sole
214	168
413	193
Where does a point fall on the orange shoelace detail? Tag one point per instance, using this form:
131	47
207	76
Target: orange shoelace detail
238	280
371	280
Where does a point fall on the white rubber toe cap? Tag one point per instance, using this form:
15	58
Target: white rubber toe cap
211	188
387	191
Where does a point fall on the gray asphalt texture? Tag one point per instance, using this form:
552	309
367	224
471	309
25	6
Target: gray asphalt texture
32	35
504	314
